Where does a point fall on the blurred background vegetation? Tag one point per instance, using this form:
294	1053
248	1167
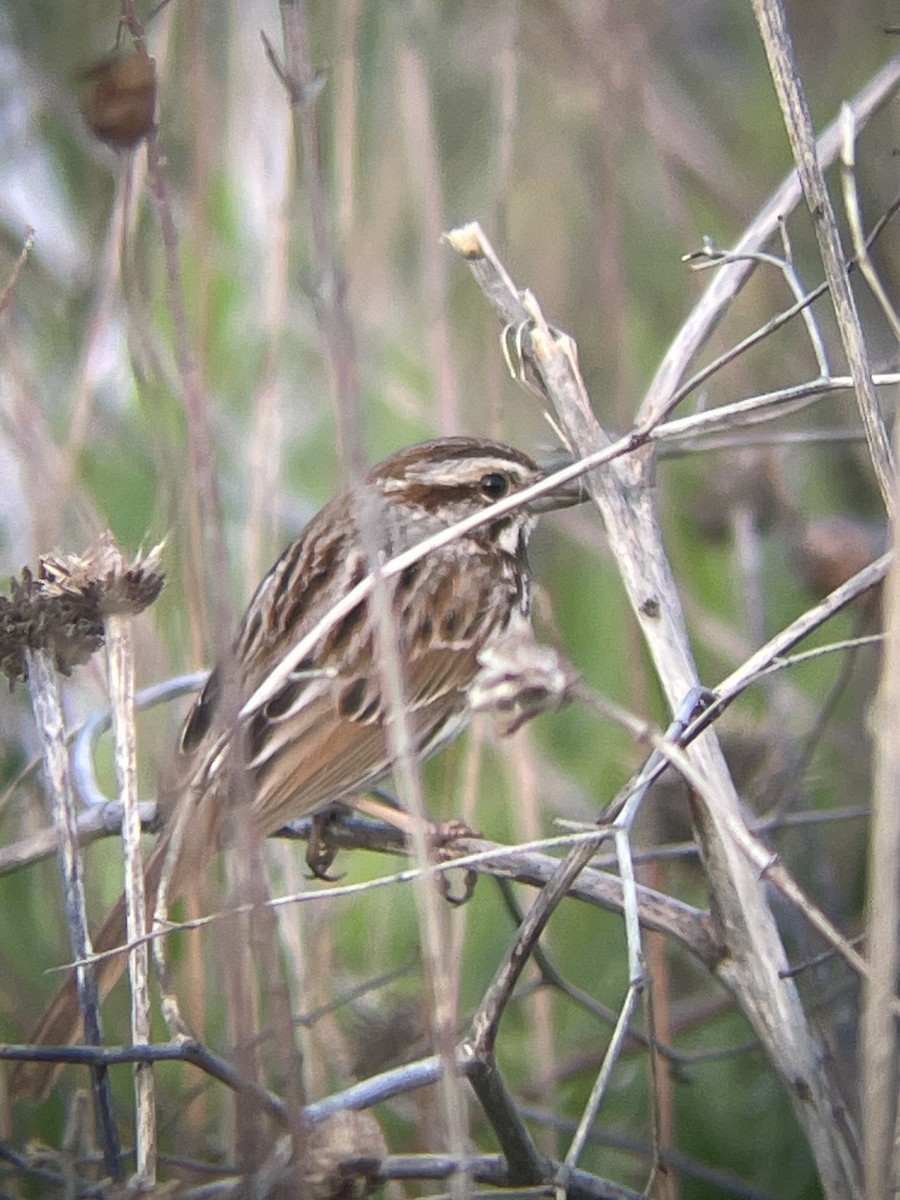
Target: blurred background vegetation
597	142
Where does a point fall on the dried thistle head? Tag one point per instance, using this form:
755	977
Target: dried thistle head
61	607
520	678
120	99
343	1138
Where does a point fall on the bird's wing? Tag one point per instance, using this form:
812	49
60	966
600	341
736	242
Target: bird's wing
323	735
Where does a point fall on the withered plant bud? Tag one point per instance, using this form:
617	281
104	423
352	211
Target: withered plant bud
750	480
520	678
61	607
342	1138
119	104
834	548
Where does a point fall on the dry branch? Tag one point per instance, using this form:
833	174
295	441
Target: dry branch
754	965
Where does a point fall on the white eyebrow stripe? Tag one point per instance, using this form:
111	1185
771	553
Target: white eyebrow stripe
394	566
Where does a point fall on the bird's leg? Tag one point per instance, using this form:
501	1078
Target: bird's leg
320	849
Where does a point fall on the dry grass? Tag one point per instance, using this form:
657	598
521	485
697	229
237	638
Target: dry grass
213	332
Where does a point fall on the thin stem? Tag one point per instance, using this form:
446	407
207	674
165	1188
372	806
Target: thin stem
770	17
120	661
45	699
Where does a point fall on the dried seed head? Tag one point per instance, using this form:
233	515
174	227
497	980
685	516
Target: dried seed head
119	104
831	550
62	606
343	1138
520	678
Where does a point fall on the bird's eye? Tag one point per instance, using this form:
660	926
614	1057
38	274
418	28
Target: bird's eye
494	485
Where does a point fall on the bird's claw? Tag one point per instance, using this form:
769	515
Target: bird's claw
320	850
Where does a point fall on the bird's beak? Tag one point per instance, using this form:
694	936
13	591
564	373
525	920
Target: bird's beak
565	494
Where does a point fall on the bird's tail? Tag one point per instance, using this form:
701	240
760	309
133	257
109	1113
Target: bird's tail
61	1022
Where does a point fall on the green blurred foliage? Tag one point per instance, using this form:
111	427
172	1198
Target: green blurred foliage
631	131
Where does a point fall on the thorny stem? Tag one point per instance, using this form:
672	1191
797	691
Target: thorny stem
45	699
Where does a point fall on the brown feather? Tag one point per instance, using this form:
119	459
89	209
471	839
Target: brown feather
321	736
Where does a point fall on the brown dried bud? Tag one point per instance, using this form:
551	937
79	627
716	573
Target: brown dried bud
119	105
62	607
342	1139
383	1036
834	548
748	479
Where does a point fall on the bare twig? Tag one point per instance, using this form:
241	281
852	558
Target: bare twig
525	863
708	311
800	306
756	956
709	256
89	826
424	168
17	269
854	218
592	1107
120	662
779	49
48	715
207	530
758	409
878	1088
303	85
375	1090
208	560
369	518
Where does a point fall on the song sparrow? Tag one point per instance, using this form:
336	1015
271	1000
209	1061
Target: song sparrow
320	735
